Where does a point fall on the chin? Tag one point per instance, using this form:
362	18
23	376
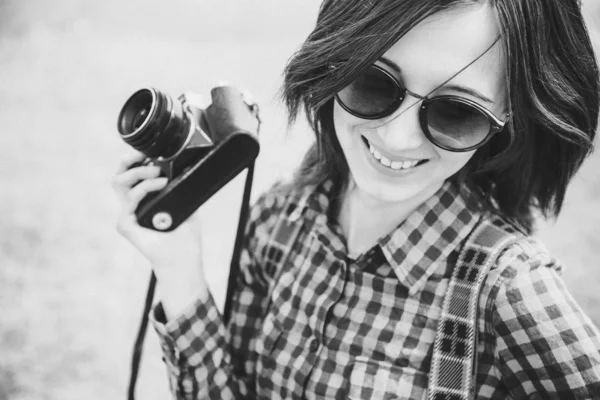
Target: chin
397	192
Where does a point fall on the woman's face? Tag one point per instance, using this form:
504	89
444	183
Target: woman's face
425	57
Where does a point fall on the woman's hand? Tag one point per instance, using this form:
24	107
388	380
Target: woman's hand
175	256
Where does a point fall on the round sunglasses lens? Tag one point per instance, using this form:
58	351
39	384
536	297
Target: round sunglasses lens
371	94
455	124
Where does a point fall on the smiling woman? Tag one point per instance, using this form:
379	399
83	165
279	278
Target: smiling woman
451	115
435	120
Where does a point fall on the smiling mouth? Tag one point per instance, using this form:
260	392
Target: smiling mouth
386	162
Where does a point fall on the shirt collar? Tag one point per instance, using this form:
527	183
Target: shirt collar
420	245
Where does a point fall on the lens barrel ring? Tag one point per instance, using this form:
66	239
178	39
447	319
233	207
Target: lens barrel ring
164	131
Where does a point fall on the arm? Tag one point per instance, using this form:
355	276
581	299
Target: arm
546	346
206	360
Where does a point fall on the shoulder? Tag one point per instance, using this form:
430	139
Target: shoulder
525	273
280	200
537	327
525	294
529	281
274	209
521	270
269	213
527	255
524	256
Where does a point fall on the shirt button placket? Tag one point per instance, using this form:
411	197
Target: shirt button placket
338	272
314	345
339	269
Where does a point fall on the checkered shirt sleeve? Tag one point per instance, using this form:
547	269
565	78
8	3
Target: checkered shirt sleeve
204	359
546	347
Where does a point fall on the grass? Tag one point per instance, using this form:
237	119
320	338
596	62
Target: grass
71	289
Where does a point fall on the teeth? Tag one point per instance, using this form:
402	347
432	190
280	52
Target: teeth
375	152
397	165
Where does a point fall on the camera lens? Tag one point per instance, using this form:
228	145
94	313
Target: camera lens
154	123
140	117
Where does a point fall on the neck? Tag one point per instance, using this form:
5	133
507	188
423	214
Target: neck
364	219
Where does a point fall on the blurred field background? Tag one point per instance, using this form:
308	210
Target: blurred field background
71	290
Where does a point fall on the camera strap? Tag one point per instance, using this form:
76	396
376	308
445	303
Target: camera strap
139	341
233	272
453	371
237	248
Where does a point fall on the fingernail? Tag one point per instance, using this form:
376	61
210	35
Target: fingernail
248	98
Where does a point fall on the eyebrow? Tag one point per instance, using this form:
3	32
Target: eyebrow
457	88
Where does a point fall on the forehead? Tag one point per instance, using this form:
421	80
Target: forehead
444	43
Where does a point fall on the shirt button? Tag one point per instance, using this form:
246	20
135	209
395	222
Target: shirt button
314	345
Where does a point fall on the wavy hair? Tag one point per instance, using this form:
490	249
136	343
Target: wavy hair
553	91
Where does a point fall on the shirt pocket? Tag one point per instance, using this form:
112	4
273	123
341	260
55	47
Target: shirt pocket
376	380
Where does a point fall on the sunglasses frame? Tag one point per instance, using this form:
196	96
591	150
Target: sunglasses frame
496	125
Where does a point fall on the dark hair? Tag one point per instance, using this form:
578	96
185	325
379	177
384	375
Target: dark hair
553	90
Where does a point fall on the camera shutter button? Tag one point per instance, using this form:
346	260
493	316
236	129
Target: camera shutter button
162	221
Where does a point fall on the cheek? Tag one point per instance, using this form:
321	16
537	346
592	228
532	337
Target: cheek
452	162
341	123
346	127
343	128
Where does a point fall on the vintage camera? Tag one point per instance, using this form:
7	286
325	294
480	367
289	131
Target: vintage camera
198	150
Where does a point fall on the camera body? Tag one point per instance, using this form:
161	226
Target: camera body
198	150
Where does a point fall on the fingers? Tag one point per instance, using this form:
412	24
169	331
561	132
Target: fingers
124	181
132	183
127	222
137	193
129	160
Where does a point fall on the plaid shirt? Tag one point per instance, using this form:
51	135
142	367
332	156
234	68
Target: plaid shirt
310	322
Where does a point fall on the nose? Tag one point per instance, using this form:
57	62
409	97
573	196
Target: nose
402	130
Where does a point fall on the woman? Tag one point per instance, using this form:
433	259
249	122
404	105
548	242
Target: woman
430	116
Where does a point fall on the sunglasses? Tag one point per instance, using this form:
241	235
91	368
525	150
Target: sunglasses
450	122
